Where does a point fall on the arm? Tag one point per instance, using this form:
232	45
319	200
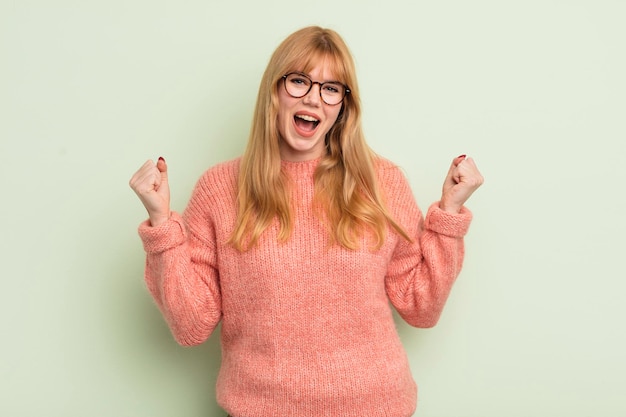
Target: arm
181	274
421	273
181	270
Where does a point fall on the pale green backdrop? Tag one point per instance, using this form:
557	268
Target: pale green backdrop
533	90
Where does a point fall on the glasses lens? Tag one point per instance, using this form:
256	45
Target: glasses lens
332	93
297	85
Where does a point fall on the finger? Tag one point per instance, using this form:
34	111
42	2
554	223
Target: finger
455	162
469	162
453	176
469	174
140	174
468	168
142	169
147	179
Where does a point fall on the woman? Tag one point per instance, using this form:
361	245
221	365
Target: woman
299	246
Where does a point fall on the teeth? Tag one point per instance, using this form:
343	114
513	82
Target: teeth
307	118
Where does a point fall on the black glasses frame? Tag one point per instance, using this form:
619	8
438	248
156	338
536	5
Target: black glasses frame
346	90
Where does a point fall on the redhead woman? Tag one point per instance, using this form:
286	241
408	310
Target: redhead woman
301	246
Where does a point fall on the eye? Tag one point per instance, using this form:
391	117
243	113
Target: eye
298	80
333	88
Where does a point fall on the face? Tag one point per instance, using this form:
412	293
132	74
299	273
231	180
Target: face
304	122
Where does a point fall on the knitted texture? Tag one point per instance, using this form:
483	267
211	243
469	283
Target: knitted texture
307	327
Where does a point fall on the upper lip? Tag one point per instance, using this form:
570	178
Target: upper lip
306	115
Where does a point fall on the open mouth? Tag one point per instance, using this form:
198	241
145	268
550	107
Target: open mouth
305	122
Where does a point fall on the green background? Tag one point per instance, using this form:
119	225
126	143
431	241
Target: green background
533	90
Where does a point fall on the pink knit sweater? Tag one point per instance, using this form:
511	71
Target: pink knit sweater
307	329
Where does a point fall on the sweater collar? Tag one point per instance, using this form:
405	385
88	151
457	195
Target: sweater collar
300	167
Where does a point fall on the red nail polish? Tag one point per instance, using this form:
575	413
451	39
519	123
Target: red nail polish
462	156
161	159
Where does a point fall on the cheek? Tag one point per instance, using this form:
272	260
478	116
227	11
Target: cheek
284	110
282	122
334	116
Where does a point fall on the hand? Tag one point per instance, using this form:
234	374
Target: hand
462	180
151	186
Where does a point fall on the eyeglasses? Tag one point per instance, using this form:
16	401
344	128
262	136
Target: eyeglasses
298	85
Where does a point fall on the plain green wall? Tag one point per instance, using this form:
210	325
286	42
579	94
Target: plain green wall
533	90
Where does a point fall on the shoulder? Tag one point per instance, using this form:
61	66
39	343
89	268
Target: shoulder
217	184
214	195
396	191
224	171
221	177
389	174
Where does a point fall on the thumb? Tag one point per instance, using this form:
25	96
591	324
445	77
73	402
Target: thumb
452	176
162	167
456	161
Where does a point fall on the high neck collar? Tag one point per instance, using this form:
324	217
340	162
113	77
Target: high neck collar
300	167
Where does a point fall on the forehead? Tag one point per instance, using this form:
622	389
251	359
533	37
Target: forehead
322	65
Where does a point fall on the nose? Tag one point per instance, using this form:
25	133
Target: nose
314	96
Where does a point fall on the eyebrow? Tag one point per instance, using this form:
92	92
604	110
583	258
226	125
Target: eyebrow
322	82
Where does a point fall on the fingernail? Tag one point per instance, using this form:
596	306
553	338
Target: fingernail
462	156
161	159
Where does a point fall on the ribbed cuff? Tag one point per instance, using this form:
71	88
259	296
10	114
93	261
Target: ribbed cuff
448	224
163	237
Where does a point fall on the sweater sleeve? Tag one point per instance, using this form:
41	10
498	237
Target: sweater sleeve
181	271
421	273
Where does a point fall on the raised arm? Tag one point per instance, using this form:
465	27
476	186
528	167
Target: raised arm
421	273
181	269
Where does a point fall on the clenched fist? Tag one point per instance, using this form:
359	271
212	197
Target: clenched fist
151	186
462	180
